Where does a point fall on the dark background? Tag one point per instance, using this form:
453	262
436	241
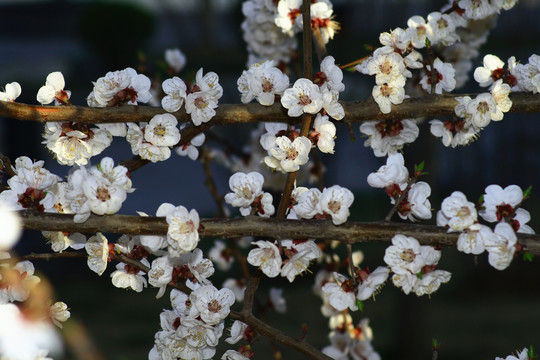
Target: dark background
481	313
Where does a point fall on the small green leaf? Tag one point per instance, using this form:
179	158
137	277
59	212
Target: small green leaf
527	192
527	256
419	167
434	343
420	275
481	200
360	305
428	43
351	69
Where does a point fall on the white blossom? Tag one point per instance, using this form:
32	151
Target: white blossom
266	257
183	234
175	59
53	90
175	88
303	97
12	92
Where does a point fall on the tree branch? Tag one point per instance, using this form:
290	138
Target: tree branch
349	233
355	111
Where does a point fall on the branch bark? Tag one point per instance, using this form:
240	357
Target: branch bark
355	111
349	233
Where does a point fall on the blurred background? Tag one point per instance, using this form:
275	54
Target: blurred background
481	313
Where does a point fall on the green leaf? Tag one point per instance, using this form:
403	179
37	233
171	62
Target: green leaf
419	167
420	275
434	343
351	69
530	353
428	43
360	305
527	192
527	256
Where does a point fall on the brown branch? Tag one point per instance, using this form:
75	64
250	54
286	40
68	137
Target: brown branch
355	111
349	233
279	336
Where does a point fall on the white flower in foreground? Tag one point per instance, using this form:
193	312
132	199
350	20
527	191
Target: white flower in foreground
266	257
407	254
331	75
472	240
12	92
287	155
341	293
120	87
175	59
459	213
387	94
325	132
444	77
371	282
162	130
501	246
303	97
262	81
146	150
30	187
97	248
237	332
500	203
126	276
308	204
175	88
183	234
483	109
388	137
417	205
213	305
299	257
53	90
75	143
335	201
394	172
60	241
11	226
431	281
245	187
203	99
490	72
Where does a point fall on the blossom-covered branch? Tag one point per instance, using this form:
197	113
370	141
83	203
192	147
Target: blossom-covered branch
350	232
355	111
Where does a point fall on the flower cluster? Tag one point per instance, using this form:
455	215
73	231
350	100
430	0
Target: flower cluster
203	98
342	293
297	255
153	140
192	329
262	81
414	265
99	189
120	87
499	205
388	137
394	178
248	195
447	30
53	90
331	203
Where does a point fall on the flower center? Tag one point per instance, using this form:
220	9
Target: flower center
102	194
214	306
160	130
200	103
30	199
334	206
408	255
304	100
